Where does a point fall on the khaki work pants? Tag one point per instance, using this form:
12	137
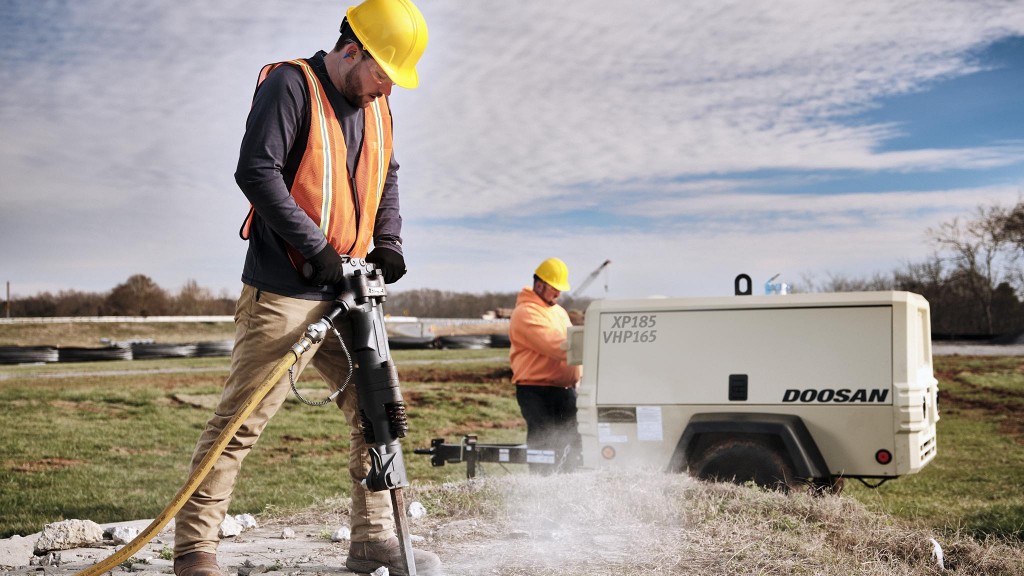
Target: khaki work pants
266	327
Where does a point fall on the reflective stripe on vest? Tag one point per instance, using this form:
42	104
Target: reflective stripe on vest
322	186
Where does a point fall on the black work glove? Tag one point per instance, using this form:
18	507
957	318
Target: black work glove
390	263
326	268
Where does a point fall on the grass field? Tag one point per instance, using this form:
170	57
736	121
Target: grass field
91	333
976	482
111	441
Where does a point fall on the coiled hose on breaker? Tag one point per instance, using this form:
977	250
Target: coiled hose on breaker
193	482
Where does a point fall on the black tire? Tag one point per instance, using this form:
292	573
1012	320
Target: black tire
466	342
27	354
742	460
411	342
74	354
214	348
143	351
500	341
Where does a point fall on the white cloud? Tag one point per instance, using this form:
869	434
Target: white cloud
122	122
604	93
857	235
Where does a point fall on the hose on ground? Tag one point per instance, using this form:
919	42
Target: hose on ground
193	482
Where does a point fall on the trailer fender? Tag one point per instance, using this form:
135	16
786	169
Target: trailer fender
789	429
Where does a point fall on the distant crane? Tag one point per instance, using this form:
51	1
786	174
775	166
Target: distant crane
590	279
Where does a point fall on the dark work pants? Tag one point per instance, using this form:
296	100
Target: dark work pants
550	414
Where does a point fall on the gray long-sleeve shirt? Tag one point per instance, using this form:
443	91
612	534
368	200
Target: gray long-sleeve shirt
272	147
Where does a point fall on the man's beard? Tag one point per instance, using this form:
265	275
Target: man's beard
351	88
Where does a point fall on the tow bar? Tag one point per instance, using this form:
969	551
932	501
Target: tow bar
381	407
472	452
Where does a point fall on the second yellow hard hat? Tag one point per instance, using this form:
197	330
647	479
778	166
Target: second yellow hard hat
554	272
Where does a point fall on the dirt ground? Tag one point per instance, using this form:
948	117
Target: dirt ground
596	523
306	549
307	552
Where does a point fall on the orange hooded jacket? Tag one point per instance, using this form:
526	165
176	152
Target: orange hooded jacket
536	333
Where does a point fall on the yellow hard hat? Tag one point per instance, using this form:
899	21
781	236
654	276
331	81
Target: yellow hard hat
554	272
394	33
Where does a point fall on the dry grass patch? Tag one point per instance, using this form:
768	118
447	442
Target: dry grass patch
42	465
91	333
621	523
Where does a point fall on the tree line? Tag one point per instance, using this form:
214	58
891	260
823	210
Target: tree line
973	280
139	295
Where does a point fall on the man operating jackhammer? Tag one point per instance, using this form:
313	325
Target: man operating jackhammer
316	164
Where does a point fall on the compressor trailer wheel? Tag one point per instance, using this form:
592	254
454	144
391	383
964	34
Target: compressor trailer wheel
743	460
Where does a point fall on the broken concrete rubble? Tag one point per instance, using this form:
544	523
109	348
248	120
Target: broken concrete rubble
66	535
309	552
121	534
417	510
248	521
230	527
50	559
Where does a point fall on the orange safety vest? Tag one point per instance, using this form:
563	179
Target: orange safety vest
322	186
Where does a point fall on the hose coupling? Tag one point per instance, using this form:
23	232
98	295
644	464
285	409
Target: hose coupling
317	331
301	347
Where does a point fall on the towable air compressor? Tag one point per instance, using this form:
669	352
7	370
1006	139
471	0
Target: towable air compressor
782	389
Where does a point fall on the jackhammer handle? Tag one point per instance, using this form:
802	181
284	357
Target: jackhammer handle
307	268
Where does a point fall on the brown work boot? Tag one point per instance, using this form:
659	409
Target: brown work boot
365	557
197	564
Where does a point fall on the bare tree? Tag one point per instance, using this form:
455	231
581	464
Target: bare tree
1013	225
976	251
192	300
43	304
75	303
139	295
841	283
925	278
431	303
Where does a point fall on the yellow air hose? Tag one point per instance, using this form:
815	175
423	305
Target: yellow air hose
247	407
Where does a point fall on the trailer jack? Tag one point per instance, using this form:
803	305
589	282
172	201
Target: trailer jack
381	407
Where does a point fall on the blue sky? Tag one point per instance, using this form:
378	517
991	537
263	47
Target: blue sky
686	142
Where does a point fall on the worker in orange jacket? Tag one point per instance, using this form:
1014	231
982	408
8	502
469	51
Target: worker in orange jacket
545	383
